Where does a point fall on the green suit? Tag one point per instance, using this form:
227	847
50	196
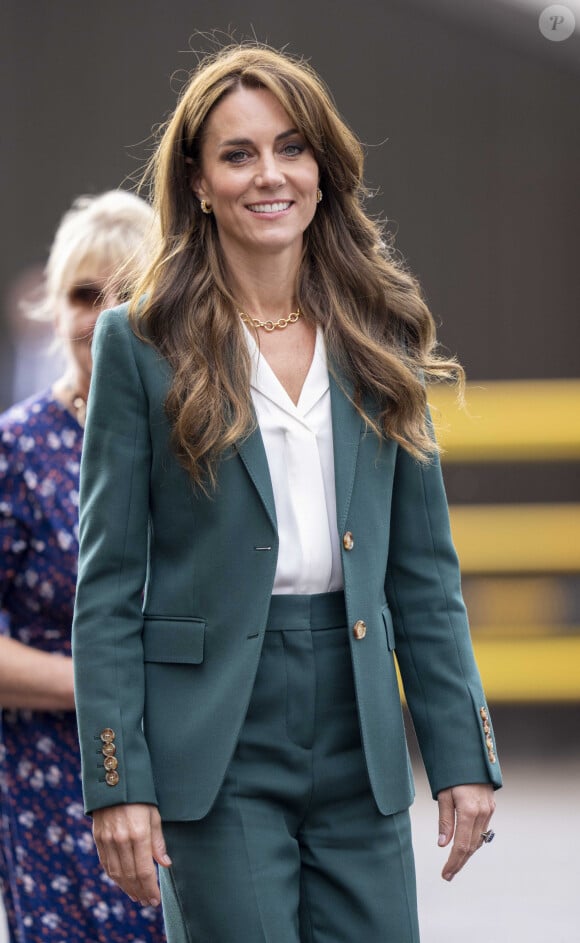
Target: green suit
174	590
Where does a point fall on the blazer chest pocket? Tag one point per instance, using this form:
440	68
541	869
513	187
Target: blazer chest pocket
389	627
169	640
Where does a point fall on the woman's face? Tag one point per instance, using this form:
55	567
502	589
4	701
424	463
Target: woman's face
258	173
77	310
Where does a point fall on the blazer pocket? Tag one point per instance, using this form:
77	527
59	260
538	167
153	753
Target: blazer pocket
173	641
389	627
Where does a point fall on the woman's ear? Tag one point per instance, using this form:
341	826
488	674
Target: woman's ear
197	185
195	181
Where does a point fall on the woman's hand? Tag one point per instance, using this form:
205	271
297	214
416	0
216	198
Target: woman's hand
464	811
129	838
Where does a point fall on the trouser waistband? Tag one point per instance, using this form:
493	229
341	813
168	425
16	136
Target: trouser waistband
319	611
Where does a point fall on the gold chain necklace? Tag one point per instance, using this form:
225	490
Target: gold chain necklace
272	325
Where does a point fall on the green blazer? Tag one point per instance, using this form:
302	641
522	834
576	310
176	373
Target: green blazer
174	589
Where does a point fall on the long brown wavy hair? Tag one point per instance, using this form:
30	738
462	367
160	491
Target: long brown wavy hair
379	332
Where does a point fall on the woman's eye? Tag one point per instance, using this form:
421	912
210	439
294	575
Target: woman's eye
293	150
236	157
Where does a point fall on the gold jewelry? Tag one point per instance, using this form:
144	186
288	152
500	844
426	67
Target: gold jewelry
281	323
318	195
205	207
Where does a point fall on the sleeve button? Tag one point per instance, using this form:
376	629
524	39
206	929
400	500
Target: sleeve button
112	778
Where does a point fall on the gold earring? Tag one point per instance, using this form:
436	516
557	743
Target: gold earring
318	195
205	207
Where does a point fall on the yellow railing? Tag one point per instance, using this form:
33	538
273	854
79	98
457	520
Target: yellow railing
512	420
517	538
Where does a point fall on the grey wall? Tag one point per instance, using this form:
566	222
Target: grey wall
470	116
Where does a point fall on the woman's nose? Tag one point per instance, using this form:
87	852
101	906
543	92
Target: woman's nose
269	173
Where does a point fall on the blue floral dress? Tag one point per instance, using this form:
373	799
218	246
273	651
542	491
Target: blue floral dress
50	877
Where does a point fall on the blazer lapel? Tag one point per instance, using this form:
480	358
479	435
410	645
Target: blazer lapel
346	432
253	455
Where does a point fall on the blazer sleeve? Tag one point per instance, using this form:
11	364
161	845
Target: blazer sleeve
113	536
433	643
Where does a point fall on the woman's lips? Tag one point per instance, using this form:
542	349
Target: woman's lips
279	206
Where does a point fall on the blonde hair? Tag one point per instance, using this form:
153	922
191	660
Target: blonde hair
113	231
378	329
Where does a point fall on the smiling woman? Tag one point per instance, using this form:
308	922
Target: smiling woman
263	522
261	188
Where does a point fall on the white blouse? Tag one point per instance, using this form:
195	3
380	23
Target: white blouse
299	448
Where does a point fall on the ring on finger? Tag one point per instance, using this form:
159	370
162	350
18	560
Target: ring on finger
488	836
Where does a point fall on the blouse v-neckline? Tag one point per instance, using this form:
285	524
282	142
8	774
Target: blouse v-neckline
315	384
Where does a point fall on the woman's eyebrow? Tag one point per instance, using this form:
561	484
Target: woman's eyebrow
244	142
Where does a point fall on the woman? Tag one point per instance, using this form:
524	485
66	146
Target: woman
51	880
263	523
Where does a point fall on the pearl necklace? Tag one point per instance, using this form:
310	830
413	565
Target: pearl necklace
76	403
79	404
281	323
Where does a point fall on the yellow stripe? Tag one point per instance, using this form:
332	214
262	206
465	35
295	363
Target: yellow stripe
540	538
509	421
532	670
518	601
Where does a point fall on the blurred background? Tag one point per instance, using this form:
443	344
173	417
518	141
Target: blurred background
470	114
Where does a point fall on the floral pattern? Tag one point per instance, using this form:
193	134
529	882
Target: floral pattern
50	877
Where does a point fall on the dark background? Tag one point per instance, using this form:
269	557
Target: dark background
469	114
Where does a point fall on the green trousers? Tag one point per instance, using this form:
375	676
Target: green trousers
294	849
